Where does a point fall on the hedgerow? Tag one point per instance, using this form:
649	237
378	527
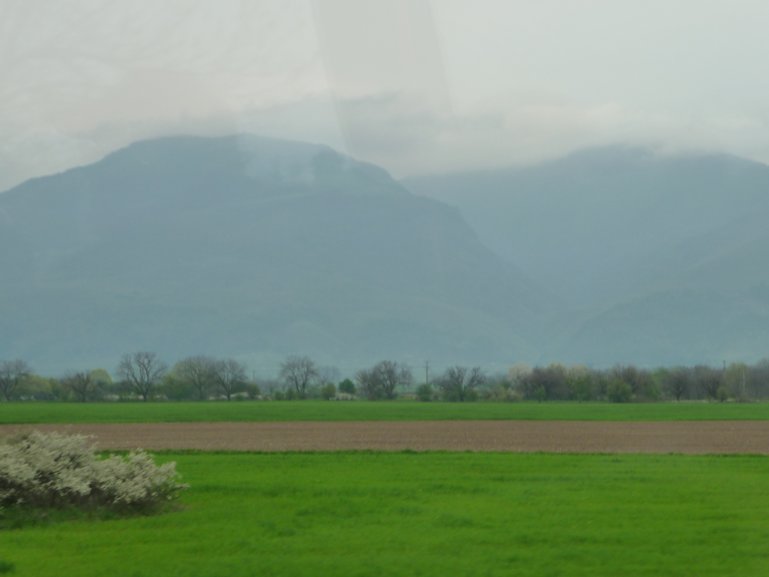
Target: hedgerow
52	470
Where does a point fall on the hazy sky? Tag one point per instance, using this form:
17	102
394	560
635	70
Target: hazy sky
416	86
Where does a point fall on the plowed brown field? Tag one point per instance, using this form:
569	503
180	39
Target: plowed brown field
698	437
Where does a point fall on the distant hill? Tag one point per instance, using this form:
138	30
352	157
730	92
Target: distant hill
255	248
662	258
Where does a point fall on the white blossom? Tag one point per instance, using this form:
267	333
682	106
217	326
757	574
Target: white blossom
51	469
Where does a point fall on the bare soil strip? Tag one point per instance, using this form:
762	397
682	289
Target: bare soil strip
700	437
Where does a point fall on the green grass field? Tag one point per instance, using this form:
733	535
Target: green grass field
463	514
33	412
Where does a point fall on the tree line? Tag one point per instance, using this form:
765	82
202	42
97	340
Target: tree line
144	376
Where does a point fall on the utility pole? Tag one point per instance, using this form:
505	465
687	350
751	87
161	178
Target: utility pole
427	372
744	389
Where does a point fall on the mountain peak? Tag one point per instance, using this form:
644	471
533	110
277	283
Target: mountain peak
234	164
256	162
249	247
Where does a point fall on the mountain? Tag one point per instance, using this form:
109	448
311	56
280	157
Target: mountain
661	258
254	248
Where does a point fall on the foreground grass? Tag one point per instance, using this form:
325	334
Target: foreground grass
33	412
440	514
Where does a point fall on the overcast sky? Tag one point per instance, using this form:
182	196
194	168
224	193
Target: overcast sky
413	85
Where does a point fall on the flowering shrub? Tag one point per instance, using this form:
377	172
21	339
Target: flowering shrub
55	470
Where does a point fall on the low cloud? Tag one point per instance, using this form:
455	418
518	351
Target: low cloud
396	132
402	135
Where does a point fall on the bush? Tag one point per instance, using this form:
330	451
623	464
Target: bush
722	394
425	393
619	391
328	391
51	470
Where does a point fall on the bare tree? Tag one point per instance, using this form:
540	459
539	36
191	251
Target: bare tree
460	383
229	374
640	380
381	380
677	382
199	372
12	373
298	372
142	371
708	380
82	384
546	383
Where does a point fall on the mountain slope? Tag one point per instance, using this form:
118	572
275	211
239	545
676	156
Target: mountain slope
250	247
597	225
662	257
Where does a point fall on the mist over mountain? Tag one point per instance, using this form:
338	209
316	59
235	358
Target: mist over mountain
259	248
254	248
662	258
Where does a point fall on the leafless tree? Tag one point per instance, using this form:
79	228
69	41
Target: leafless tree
546	383
382	380
229	374
298	372
141	371
708	380
640	381
460	383
677	382
82	384
12	373
199	372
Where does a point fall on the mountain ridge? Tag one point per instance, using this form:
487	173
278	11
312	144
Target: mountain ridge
620	233
257	249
